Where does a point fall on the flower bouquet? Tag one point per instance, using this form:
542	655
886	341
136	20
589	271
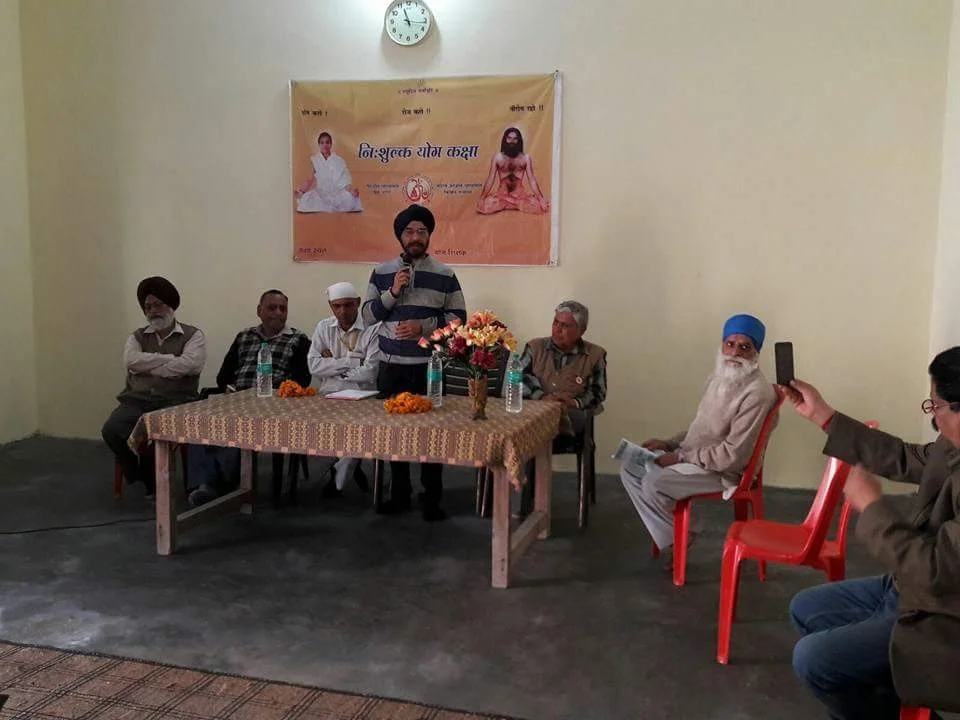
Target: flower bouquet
475	346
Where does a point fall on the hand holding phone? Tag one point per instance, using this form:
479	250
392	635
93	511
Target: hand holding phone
783	355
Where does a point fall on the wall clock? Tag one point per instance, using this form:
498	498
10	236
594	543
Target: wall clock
407	22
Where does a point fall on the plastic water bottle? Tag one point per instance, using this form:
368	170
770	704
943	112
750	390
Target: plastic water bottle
264	371
435	380
513	387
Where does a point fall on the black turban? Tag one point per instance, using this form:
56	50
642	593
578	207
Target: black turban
414	212
161	288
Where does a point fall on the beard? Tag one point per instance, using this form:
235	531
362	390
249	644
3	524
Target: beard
731	372
161	322
511	151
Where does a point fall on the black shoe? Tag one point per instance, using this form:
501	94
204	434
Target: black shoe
433	513
201	496
395	506
360	478
330	490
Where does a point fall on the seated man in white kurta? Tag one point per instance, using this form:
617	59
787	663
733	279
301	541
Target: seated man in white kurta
330	188
344	355
711	455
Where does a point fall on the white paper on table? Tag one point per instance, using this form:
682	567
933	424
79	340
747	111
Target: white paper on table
350	394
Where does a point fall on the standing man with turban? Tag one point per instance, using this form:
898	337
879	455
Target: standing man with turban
163	361
344	355
411	295
721	438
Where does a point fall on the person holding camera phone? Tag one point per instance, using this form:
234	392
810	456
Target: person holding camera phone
871	643
411	295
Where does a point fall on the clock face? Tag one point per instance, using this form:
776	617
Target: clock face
407	22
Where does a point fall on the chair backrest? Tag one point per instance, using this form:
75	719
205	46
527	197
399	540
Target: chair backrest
846	510
455	377
821	512
753	472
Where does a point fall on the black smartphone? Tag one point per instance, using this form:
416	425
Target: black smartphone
783	355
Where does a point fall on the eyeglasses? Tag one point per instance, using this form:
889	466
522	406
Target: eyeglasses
154	305
928	406
419	232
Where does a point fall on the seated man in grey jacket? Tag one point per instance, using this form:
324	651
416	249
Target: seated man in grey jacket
717	446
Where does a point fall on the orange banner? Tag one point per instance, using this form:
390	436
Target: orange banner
481	153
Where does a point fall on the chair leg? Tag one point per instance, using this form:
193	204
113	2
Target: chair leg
583	483
592	464
117	480
478	492
835	568
487	507
293	467
184	464
729	587
756	509
277	477
681	539
378	473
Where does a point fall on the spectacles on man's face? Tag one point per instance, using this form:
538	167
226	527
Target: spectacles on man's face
154	305
928	406
416	232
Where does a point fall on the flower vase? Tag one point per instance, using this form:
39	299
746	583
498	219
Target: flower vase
477	388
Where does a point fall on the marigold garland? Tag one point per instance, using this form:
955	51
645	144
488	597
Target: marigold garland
405	403
291	388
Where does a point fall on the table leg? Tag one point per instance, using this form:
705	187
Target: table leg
378	471
247	479
166	518
542	488
501	529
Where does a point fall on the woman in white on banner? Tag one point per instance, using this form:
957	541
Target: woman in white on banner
330	188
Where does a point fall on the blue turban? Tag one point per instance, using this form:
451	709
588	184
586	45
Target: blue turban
745	325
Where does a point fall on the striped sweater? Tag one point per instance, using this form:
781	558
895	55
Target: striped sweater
433	297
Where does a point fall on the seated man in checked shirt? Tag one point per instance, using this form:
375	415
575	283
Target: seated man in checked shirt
344	355
216	470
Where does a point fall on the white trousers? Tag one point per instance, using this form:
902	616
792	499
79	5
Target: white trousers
656	494
343	469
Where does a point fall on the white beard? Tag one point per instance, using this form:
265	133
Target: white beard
730	372
161	323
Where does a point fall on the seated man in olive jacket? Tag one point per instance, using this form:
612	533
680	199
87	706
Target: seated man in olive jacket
870	643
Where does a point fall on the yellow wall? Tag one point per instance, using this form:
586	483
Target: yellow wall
945	320
719	156
18	399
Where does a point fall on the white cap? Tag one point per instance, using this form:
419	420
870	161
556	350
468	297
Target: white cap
342	291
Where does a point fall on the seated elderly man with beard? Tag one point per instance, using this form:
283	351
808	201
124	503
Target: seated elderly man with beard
719	441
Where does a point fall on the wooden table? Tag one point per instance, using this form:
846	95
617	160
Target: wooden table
317	426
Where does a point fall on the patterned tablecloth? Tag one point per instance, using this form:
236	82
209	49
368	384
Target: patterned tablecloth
359	428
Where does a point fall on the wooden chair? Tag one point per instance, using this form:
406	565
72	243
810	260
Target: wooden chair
747	499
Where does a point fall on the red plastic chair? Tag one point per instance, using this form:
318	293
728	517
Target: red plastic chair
803	544
914	713
118	474
747	496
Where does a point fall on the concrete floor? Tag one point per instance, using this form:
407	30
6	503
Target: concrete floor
332	595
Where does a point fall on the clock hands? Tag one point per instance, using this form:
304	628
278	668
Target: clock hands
407	17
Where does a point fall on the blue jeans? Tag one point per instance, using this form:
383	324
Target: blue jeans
844	654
